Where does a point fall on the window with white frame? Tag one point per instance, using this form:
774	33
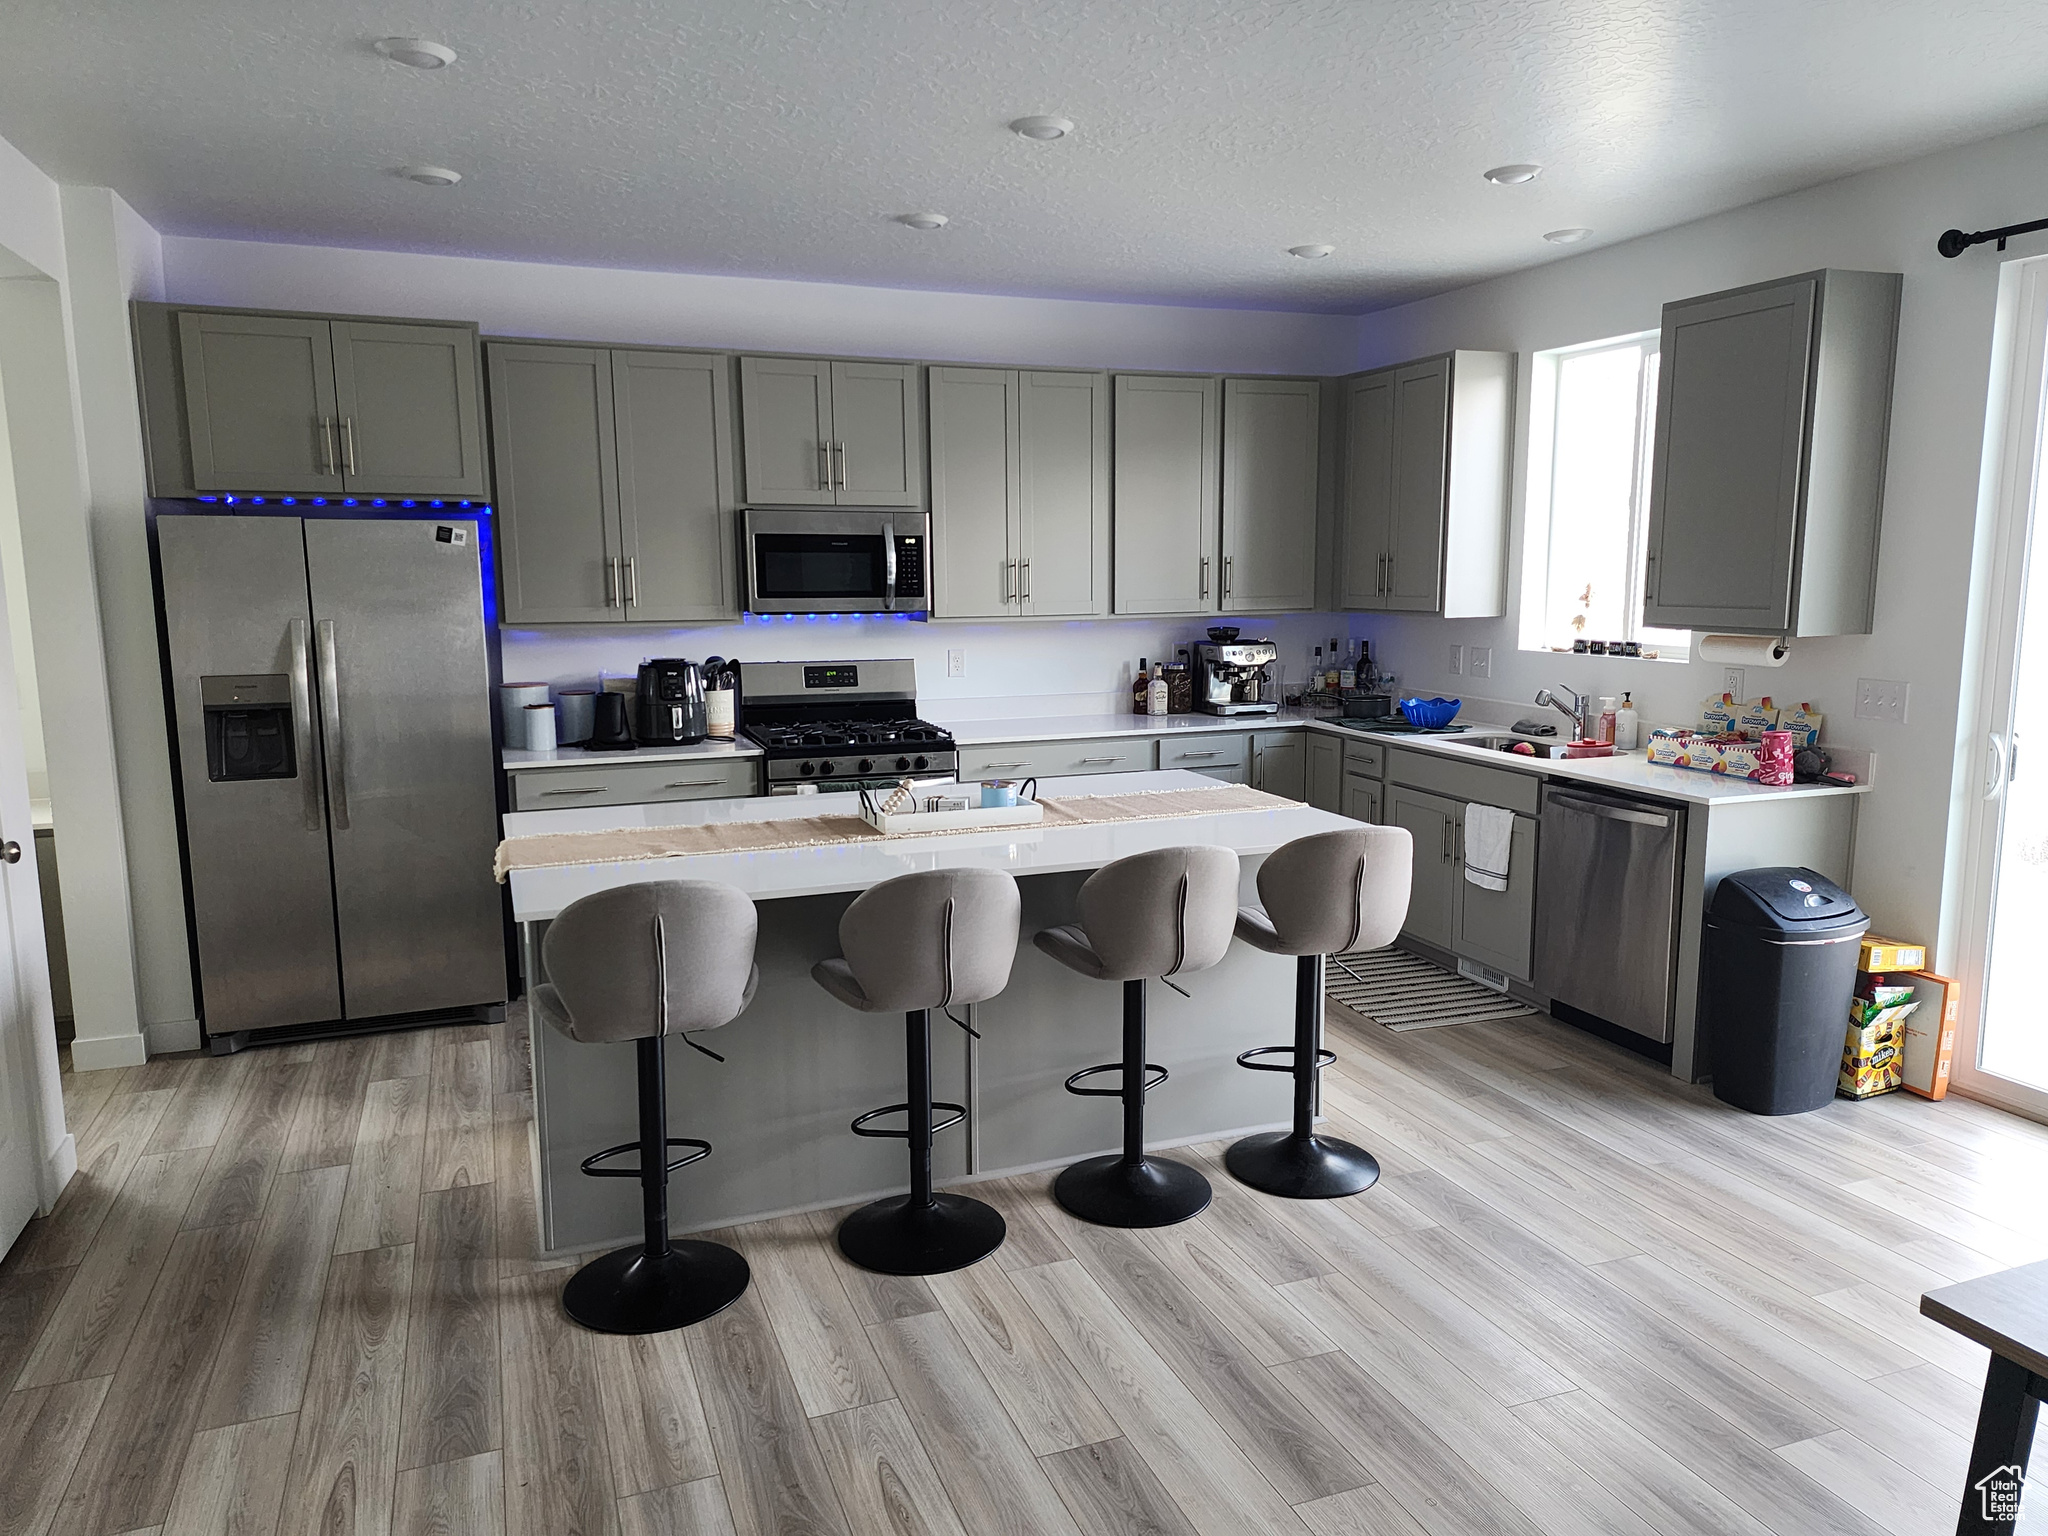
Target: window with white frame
1594	411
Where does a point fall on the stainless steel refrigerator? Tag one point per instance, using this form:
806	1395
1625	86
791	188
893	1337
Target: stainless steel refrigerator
331	690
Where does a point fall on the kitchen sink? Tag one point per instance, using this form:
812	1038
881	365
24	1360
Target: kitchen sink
1508	744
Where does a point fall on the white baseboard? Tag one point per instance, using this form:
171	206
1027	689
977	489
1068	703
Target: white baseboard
58	1168
167	1035
96	1055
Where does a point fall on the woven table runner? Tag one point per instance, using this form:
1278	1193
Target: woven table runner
631	845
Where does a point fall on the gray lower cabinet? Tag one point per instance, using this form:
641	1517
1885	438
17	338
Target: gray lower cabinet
555	789
1221	754
830	432
1020	492
1280	763
1325	756
1432	821
1051	759
1361	797
1773	409
1167	472
251	402
1270	464
615	484
1496	928
1425	507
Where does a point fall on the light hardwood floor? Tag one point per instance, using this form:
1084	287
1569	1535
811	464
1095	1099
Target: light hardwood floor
296	1291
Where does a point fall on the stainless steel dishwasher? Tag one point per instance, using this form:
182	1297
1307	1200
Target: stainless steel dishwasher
1607	906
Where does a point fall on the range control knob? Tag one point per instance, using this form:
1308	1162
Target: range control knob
867	765
920	765
807	769
903	765
826	768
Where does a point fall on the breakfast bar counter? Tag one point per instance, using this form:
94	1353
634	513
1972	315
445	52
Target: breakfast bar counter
800	1066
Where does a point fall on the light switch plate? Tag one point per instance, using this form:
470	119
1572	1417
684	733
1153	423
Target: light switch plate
956	663
1879	698
1480	662
1457	660
1731	682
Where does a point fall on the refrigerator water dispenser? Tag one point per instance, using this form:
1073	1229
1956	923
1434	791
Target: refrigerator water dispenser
248	727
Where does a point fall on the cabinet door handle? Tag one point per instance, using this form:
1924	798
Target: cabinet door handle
1382	588
824	466
348	444
1205	576
593	789
842	464
328	466
611	581
1009	581
1650	578
1026	593
632	581
1226	576
1447	842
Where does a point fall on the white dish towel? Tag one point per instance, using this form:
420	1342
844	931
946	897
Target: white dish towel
1489	833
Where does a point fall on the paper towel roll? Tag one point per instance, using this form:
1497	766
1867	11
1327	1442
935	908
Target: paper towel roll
1746	650
512	699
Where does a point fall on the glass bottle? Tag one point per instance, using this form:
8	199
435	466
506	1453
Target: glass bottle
1156	695
1141	688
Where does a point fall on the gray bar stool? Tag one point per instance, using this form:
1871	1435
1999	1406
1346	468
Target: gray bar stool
1320	895
1164	913
912	944
641	963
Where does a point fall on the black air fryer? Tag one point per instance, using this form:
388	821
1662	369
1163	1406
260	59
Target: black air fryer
669	711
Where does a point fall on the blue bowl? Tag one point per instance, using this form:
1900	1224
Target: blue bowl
1431	714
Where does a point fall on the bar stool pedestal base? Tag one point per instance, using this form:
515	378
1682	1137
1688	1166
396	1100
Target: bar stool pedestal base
1118	1192
634	1291
902	1236
1301	1167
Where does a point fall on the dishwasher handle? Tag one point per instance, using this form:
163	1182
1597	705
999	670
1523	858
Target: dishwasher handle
1606	810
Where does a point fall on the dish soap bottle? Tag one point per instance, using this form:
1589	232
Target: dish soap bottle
1141	689
1606	733
1156	695
1628	726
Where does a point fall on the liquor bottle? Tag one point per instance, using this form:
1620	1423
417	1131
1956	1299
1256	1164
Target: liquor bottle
1347	672
1141	689
1315	672
1156	695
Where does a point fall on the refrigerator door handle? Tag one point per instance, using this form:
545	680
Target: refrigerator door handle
330	724
302	723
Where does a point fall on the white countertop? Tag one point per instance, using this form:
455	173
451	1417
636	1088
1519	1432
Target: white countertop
769	874
981	733
1631	772
576	757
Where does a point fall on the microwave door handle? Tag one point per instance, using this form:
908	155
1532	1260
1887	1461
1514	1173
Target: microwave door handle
888	567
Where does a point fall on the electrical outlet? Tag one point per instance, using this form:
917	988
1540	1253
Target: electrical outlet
1878	698
1480	662
1457	659
956	663
1731	682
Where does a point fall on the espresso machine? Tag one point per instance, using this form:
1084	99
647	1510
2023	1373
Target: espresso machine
1230	677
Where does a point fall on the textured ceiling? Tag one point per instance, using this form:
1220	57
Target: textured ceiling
779	137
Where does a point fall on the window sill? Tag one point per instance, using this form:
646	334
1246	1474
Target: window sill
1665	653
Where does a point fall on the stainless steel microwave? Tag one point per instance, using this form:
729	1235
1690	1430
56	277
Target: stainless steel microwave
831	561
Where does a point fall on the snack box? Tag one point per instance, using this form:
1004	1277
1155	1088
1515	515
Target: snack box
1804	722
1735	756
1719	714
1756	717
1873	1051
1880	955
1930	1033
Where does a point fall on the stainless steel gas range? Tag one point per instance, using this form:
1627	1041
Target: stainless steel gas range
840	725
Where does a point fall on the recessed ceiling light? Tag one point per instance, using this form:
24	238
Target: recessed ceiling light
1567	236
1042	128
1512	175
416	52
1310	252
430	175
923	220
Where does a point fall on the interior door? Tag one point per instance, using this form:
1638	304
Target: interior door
786	431
1270	432
1422	436
259	403
974	493
411	422
1433	897
1063	492
878	434
405	702
1167	466
559	553
678	524
1368	490
256	854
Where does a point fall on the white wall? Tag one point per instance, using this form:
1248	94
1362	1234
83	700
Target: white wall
1884	220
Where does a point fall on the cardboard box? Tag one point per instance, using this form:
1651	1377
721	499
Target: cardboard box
1890	955
1930	1033
1872	1054
1734	756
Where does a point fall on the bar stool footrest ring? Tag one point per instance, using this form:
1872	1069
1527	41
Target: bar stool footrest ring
1155	1074
699	1151
862	1128
1244	1059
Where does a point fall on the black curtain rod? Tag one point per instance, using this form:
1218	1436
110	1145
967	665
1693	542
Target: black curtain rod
1954	242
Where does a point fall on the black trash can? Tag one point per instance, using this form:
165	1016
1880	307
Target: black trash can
1779	969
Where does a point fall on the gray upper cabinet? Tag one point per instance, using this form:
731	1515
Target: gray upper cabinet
678	528
1270	460
237	401
1426	486
1020	492
1767	475
823	433
1168	466
615	484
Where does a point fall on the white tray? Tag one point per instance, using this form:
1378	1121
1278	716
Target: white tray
1028	813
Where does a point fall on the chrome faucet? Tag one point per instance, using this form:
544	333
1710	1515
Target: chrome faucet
1574	712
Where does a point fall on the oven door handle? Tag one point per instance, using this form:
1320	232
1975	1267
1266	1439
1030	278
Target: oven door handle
888	567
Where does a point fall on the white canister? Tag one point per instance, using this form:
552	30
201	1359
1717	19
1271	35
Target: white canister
512	699
718	720
539	727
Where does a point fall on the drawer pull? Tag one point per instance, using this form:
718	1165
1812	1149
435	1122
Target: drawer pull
1201	754
588	789
696	784
1083	762
1020	765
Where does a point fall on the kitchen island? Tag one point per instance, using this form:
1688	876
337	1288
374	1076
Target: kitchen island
800	1066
